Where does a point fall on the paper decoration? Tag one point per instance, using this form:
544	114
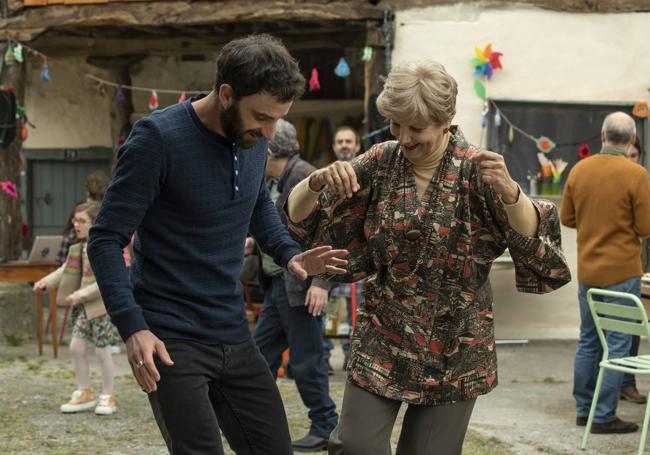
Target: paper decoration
486	61
313	81
367	54
45	71
18	53
153	101
497	119
479	88
342	68
559	165
484	115
9	188
9	56
640	109
119	95
182	98
584	151
544	144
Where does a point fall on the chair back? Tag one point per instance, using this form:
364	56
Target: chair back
616	317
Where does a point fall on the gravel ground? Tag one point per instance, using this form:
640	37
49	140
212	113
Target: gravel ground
531	412
32	389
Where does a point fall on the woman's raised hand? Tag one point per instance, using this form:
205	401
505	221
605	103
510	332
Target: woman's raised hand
339	176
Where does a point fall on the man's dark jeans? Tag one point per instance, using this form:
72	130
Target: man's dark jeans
219	386
281	326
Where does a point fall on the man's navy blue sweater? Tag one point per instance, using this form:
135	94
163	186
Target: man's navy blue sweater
192	196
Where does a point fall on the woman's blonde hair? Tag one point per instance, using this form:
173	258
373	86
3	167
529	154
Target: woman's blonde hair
419	91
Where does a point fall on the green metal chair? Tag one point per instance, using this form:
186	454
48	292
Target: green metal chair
607	316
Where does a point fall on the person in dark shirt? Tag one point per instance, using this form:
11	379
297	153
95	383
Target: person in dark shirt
189	181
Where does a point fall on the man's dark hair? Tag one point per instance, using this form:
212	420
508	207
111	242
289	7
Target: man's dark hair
259	63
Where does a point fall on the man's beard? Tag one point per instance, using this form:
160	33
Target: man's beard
345	154
233	127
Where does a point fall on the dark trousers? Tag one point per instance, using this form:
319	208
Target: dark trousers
281	326
367	421
219	386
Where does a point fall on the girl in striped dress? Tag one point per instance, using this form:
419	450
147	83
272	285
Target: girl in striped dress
77	287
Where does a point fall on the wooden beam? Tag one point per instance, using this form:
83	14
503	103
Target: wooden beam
182	13
573	6
67	46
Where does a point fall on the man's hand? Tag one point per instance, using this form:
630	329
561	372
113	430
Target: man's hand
140	348
340	177
249	246
316	300
73	299
317	260
493	171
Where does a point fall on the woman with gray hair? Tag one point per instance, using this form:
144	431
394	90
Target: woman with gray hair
424	217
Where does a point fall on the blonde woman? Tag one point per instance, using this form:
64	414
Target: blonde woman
90	324
424	217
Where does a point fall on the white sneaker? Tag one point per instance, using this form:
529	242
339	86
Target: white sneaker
106	405
80	400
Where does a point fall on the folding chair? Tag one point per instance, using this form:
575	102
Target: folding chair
607	316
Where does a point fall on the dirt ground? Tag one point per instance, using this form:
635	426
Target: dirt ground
531	412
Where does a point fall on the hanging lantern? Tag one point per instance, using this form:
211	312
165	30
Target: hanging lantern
45	72
511	134
153	101
497	119
119	95
367	54
23	133
9	56
314	84
18	53
342	68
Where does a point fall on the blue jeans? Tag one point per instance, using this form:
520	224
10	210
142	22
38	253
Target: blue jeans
328	345
589	354
281	326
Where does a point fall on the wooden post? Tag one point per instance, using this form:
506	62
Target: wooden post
374	68
121	112
10	215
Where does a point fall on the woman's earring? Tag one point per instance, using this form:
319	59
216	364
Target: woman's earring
445	131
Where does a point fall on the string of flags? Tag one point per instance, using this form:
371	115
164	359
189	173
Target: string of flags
14	54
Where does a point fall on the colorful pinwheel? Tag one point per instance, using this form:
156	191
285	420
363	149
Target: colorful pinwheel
486	61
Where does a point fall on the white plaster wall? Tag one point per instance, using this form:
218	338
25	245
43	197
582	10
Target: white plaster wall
548	56
69	111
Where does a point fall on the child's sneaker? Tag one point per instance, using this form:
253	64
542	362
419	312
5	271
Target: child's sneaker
106	405
80	400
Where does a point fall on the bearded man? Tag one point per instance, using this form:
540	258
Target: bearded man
190	183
